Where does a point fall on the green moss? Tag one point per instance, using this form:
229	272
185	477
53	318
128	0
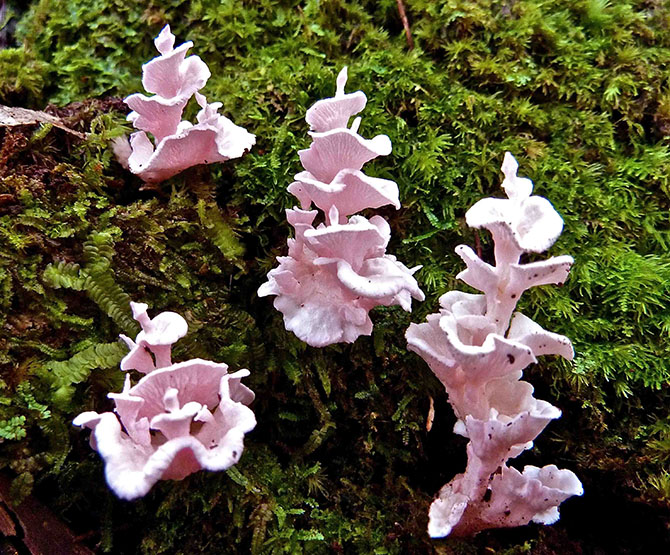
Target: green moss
341	459
22	76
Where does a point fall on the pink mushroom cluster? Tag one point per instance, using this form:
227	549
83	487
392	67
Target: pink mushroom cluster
478	346
338	270
177	419
173	78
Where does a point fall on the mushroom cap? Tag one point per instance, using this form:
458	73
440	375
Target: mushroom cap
530	223
170	401
172	74
335	112
166	328
156	115
190	145
338	149
350	190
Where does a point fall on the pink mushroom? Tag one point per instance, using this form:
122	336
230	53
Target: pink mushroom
177	144
153	345
175	421
178	419
478	347
336	273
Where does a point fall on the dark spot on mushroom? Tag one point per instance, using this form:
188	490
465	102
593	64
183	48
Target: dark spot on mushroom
487	496
510	358
535	275
490	436
514	295
507	512
234	453
302	305
509	424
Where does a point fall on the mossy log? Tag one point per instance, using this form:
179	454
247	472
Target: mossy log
341	459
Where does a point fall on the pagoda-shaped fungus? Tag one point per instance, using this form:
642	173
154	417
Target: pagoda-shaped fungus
336	272
478	349
176	420
177	144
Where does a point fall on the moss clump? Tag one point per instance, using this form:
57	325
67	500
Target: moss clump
21	76
341	459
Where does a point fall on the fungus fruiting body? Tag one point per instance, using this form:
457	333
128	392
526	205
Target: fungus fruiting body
478	346
337	271
177	144
178	419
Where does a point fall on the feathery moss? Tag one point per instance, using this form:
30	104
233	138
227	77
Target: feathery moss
341	460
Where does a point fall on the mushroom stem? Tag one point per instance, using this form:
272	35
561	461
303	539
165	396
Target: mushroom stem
163	355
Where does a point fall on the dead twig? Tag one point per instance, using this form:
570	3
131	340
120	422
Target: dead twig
11	117
405	23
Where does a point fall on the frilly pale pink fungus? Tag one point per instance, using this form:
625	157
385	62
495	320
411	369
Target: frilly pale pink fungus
174	78
478	347
178	419
336	272
156	338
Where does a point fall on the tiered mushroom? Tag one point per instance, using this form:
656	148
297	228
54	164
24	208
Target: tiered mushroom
478	355
178	144
336	272
176	420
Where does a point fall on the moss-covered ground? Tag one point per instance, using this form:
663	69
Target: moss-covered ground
341	462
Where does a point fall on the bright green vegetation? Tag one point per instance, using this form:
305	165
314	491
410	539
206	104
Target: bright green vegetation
577	90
